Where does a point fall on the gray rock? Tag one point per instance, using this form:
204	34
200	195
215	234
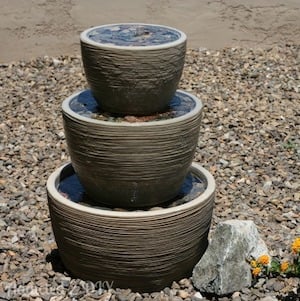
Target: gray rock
185	283
176	298
270	284
2	223
260	284
278	286
14	239
223	269
197	297
4	296
183	294
105	297
57	298
269	298
65	281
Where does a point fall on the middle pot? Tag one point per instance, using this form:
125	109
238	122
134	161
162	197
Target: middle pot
131	164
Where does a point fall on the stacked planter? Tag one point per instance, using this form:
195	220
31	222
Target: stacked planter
133	72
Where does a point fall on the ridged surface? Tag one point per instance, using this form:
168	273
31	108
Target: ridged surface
133	82
145	253
132	166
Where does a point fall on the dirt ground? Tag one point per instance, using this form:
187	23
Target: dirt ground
30	28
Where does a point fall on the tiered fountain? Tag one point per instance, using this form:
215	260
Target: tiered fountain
132	208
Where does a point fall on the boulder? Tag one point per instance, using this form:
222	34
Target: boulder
224	267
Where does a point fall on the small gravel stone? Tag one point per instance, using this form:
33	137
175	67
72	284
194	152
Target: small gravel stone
183	294
105	297
197	297
278	285
177	298
185	283
2	223
269	298
236	295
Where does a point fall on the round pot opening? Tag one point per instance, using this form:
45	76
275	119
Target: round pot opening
83	106
69	187
136	36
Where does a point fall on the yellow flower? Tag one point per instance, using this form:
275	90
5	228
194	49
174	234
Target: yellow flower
296	246
263	259
256	271
253	263
284	266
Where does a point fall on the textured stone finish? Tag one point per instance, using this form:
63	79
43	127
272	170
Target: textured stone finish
224	269
133	80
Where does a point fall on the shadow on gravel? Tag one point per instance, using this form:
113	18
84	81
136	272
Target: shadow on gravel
56	262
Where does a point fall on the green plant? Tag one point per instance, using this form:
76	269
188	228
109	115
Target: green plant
264	266
290	144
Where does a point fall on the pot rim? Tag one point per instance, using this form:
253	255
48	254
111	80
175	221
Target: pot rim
84	38
52	184
67	110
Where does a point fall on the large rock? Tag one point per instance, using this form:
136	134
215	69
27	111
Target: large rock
224	269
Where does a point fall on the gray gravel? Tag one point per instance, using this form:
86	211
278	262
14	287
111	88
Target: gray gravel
249	141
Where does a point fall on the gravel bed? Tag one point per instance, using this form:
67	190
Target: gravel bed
249	141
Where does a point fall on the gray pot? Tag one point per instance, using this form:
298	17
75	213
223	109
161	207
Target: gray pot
136	72
131	164
143	250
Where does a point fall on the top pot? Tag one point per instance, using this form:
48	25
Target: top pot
133	68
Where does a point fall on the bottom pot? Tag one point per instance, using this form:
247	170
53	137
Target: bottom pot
145	250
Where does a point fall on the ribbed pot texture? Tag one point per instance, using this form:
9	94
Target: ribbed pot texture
145	250
132	165
133	82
